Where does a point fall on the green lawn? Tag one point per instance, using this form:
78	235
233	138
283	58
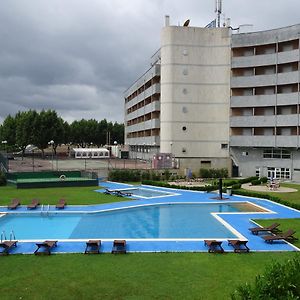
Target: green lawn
292	197
73	195
131	276
285	224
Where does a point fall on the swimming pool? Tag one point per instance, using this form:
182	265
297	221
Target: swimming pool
164	221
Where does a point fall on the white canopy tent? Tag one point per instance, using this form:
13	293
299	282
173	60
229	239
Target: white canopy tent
91	153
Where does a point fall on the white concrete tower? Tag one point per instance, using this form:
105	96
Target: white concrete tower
195	95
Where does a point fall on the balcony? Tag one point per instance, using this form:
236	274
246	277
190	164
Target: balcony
147	140
253	81
252	141
252	121
253	101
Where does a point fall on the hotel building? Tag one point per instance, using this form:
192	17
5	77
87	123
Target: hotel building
217	99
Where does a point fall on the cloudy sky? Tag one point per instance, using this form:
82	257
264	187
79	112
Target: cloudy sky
78	56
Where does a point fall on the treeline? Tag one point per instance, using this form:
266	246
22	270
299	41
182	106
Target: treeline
38	128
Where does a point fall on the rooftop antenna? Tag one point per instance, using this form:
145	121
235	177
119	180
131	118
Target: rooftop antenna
218	10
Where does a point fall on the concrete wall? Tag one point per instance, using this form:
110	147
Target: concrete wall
195	93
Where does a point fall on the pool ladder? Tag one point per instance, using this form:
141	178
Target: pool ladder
46	210
11	236
3	236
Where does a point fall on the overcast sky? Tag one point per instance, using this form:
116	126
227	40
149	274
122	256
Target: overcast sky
78	56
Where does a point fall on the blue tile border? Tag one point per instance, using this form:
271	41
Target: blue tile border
239	221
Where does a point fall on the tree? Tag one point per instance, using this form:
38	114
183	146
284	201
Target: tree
25	122
47	127
8	131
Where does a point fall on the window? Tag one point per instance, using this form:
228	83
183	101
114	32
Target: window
276	153
279	173
257	172
224	146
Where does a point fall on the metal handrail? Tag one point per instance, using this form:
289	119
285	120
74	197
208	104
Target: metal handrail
3	236
12	235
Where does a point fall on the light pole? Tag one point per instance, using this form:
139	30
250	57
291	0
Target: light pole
5	149
115	152
51	143
32	160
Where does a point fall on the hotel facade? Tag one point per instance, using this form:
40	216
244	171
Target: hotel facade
215	99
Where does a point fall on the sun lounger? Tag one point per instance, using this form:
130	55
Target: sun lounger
14	204
109	192
288	235
239	246
119	246
7	245
61	204
34	203
92	246
126	194
272	228
45	247
214	246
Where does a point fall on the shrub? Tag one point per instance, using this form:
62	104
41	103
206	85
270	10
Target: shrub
2	179
213	173
279	281
255	182
264	180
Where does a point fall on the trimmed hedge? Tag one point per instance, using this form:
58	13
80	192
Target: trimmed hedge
213	173
207	188
265	196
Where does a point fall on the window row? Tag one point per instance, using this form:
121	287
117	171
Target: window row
266	131
266	49
144	102
265	111
266	90
143	88
144	133
144	118
266	70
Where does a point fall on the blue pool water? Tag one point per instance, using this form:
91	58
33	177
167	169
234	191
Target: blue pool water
155	221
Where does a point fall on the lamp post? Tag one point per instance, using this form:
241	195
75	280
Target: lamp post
32	160
115	152
51	143
5	149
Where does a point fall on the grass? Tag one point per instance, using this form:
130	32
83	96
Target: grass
292	197
73	195
285	224
131	276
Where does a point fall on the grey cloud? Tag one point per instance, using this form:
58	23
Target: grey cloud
77	57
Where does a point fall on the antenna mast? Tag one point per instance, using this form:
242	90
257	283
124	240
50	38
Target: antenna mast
218	10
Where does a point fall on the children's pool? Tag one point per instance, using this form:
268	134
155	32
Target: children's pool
163	221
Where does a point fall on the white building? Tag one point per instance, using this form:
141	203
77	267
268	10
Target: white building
217	99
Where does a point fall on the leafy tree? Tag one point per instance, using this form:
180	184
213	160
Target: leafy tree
25	129
47	127
8	131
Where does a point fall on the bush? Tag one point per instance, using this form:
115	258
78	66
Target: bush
213	173
264	180
279	281
2	179
255	182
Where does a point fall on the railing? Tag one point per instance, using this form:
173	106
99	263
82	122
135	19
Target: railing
12	235
3	236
